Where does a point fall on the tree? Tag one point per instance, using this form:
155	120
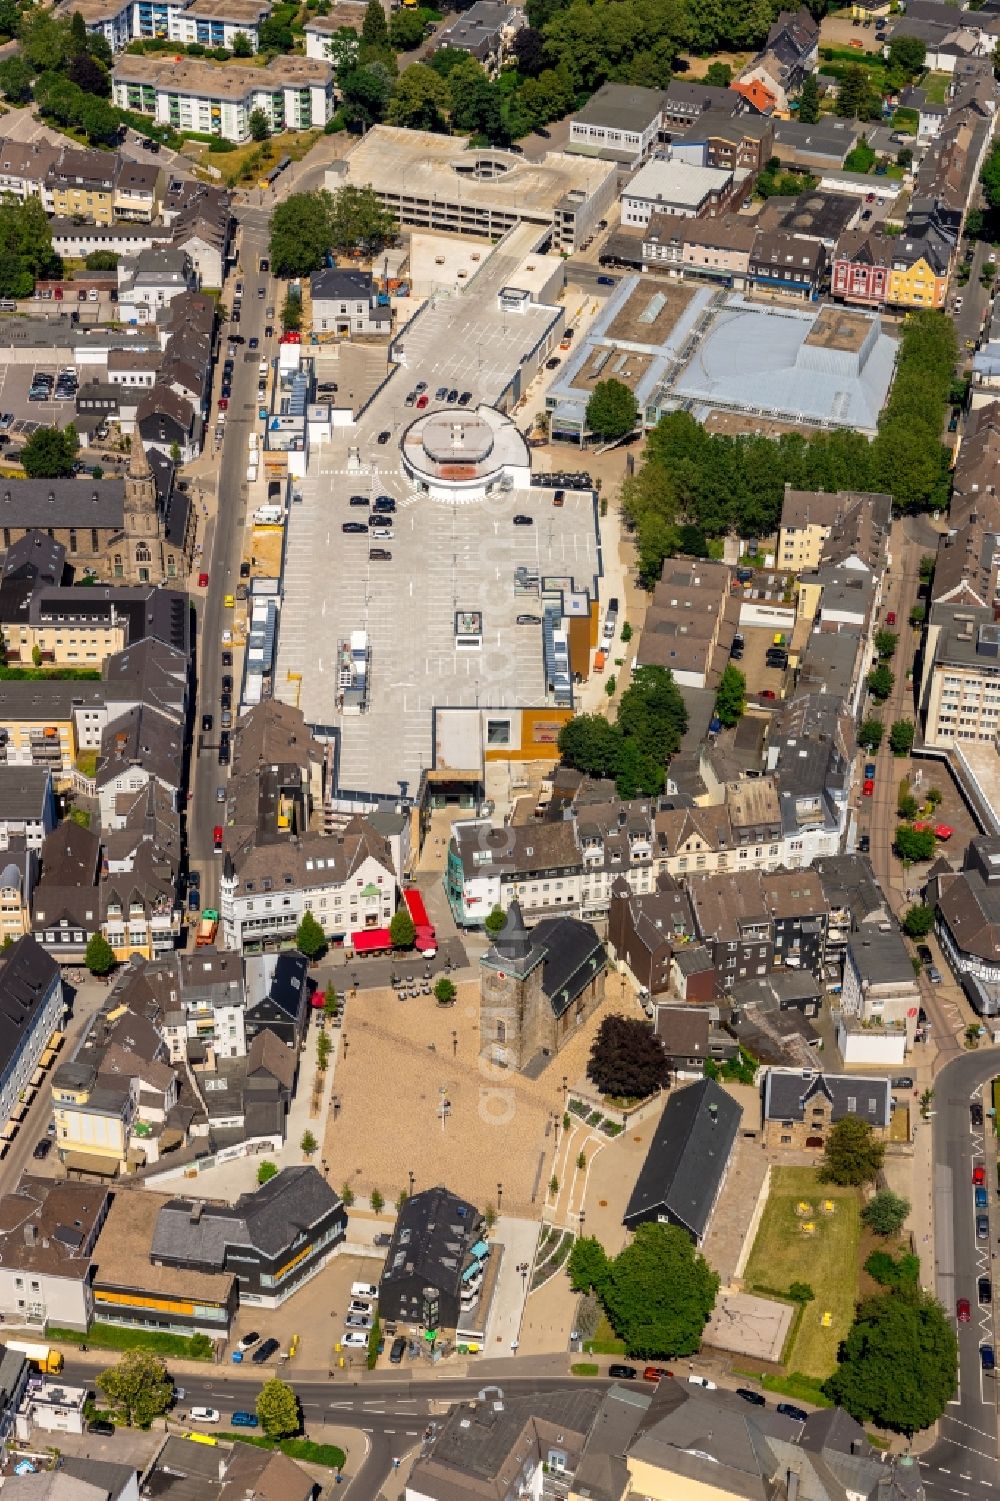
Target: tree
138	1388
886	643
45	40
718	75
331	1001
89	76
347	1195
374	27
266	1171
611	410
445	992
100	956
907	54
357	220
15	80
809	101
300	233
914	845
278	1409
731	696
870	733
853	1154
324	1047
36	655
880	681
419	99
242	45
377	1201
529	51
309	1144
627	1058
309	936
366	89
588	1265
898	1365
101	260
50	453
901	737
260	125
918	920
291	310
935	797
402	932
885	1213
495	921
659	1293
406	29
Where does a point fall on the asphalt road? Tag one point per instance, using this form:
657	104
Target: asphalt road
964	1461
223	560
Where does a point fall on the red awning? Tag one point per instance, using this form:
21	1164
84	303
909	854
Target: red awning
415	906
371	940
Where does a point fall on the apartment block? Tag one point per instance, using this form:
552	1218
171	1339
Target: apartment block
294	93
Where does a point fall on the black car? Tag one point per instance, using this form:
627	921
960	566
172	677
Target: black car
269	331
623	1372
206	724
398	1350
985	1289
234	316
224	750
864	844
465	398
452	396
42	1149
524	521
354	526
264	1351
227	658
227	684
529	620
265	264
924	954
244	569
553	362
379	555
254	343
237	338
101	1426
360	500
788	1411
754	1398
384	435
976	1113
327	385
225	699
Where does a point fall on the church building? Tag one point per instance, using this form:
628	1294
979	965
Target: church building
536	987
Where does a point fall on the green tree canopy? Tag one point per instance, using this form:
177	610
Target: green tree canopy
101	260
907	54
309	937
627	1058
885	1212
26	253
374	27
419	100
495	921
357	220
260	125
886	643
898	1365
918	920
853	1154
635	749
300	233
99	956
901	736
242	45
870	733
366	89
50	452
308	1143
880	681
914	845
659	1293
444	991
588	1265
15	79
278	1409
266	1171
611	410
809	101
718	75
402	932
731	696
406	29
138	1388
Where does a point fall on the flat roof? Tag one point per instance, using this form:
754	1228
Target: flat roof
122	1254
420	164
677	182
623	106
185	75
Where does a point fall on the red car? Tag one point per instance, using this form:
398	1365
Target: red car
868	789
223	403
768	693
890	619
422	401
203	581
979	1175
962	1311
655	1373
217	837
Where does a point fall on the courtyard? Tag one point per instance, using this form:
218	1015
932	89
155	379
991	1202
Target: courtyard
400	1061
809	1233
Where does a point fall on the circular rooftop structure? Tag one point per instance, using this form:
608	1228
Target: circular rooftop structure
462	455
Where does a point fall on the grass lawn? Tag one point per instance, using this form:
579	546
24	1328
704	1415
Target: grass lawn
604	1340
295	1448
294	143
117	1337
826	1259
936	87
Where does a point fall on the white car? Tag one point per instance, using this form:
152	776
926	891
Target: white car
227	638
354	1341
205	1415
710	1386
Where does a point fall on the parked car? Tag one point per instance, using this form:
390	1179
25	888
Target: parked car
870	770
710	1386
465	398
524	520
205	1415
978	1174
982	1227
622	1372
359	500
358	1321
963	1311
864	844
249	1340
984	1287
354	1340
453	396
384	435
385	504
924	954
976	1113
398	1351
242	1419
101	1428
655	1373
749	1395
441	394
354	526
902	1081
206	724
42	1149
981	1197
987	1359
797	1414
934	974
890	619
868	788
529	620
264	1351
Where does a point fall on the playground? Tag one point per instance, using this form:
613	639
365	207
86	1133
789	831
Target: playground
809	1234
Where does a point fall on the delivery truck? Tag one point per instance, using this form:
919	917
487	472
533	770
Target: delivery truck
43	1357
207	929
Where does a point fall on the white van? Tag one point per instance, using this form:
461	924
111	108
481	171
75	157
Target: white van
205	1415
364	1290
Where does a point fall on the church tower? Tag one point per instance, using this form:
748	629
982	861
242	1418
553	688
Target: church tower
143	561
511	1001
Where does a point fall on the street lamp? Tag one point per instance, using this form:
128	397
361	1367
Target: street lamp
583	1218
499	1196
411	1182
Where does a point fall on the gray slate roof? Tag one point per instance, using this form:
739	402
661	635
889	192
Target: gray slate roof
687	1158
787	1093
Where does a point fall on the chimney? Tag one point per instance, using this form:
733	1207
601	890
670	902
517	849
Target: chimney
196	1209
30	1235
